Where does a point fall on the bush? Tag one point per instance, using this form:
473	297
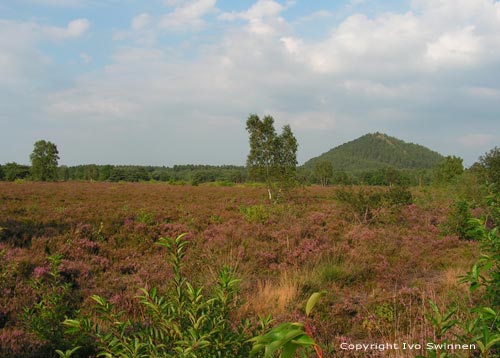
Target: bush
181	323
362	204
365	204
461	223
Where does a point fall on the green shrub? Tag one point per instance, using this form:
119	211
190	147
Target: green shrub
55	302
399	195
461	223
181	323
361	203
255	213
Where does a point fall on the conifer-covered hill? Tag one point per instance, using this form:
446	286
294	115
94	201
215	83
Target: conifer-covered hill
376	151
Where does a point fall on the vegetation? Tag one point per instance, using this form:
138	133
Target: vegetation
377	151
378	275
490	163
451	168
272	158
323	172
74	280
181	323
44	161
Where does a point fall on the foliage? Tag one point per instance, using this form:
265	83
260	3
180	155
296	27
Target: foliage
365	204
323	172
461	223
44	160
181	323
483	328
104	232
255	213
272	158
287	338
13	171
377	151
491	163
399	195
385	176
441	324
55	302
448	170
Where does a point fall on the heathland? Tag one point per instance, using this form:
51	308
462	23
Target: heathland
380	262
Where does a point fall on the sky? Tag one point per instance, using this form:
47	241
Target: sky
164	82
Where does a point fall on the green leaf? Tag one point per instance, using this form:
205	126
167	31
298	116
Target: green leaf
288	350
311	302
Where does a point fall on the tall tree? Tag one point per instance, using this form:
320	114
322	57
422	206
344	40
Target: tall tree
323	172
44	159
449	169
272	157
491	164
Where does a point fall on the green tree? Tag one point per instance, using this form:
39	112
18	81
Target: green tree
272	157
449	169
63	173
491	164
13	171
91	172
44	161
323	172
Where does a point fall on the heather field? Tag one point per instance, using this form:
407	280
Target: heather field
379	271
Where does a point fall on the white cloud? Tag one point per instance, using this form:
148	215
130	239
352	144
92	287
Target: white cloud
368	73
59	3
75	28
188	16
263	17
320	14
454	49
93	107
141	21
21	62
174	2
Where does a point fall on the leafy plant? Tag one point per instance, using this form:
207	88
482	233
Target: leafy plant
54	302
461	223
255	213
181	323
441	324
484	328
287	338
363	204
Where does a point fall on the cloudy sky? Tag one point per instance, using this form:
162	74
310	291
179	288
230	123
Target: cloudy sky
163	82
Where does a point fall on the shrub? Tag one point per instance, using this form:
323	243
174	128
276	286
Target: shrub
399	195
255	213
361	203
45	318
181	323
461	223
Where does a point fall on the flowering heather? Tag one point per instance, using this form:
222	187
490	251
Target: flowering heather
106	234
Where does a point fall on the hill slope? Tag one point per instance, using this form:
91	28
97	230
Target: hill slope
375	151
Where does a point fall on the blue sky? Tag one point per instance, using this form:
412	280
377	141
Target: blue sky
166	82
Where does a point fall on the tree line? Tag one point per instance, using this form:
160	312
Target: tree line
272	160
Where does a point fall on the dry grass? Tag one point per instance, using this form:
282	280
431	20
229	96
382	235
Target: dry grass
272	297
